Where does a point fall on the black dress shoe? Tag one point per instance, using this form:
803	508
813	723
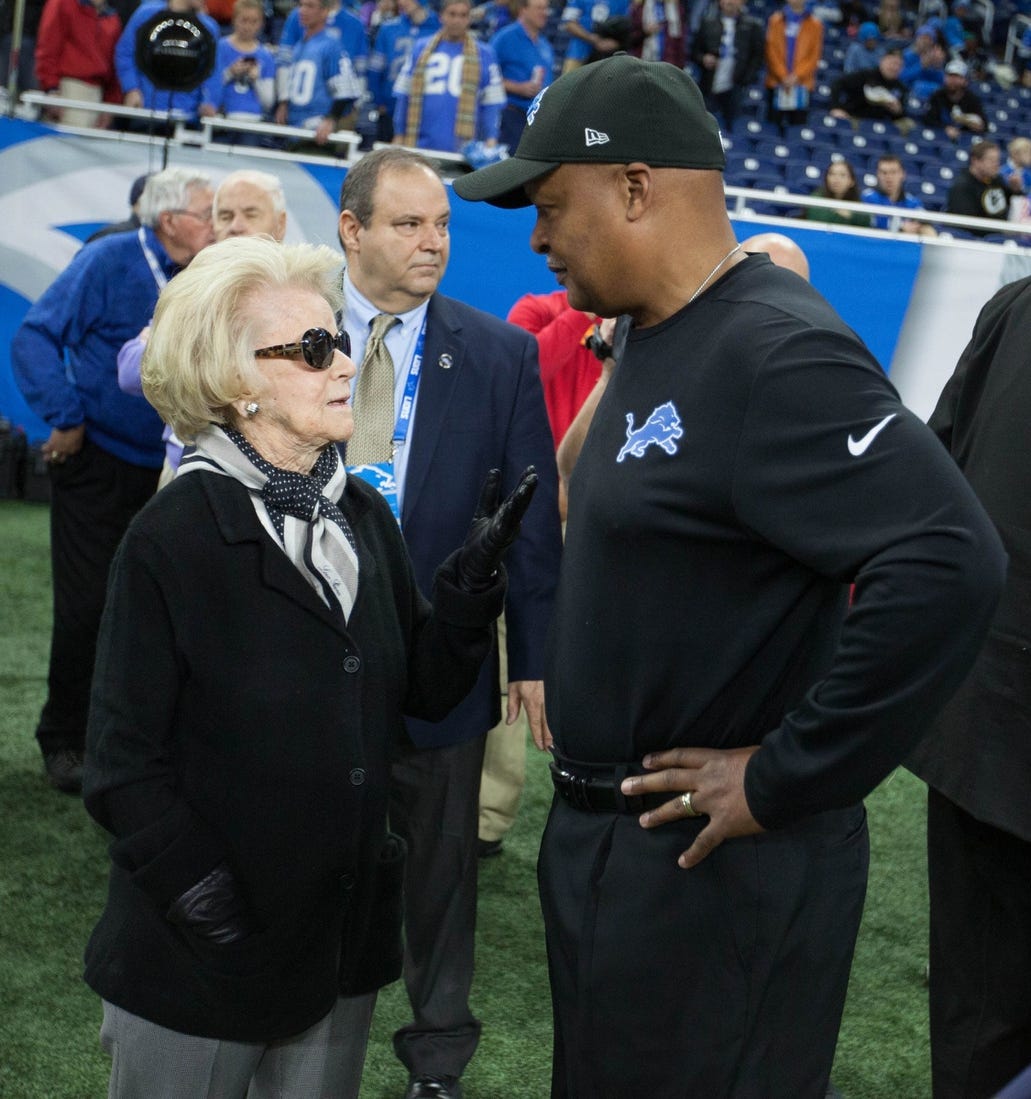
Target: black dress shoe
487	849
434	1087
64	769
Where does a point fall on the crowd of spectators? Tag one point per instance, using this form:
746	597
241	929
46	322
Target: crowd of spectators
795	85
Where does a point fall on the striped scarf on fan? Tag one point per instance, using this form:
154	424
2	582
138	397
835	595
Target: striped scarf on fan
465	120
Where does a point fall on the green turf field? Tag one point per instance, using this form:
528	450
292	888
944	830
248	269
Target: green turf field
53	868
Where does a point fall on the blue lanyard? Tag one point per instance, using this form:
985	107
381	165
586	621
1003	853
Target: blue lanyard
404	417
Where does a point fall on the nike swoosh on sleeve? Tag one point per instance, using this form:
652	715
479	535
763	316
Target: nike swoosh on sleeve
860	446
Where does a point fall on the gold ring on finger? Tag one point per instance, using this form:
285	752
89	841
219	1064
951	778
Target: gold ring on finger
689	809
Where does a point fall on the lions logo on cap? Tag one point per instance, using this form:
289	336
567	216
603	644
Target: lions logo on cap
531	111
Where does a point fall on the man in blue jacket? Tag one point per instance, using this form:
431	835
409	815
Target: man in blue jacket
104	449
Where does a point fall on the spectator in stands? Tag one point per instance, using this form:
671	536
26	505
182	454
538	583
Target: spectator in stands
137	90
657	31
893	23
75	58
954	107
320	88
794	43
923	64
595	30
243	83
876	93
487	19
980	191
839	182
527	64
393	44
373	13
26	75
104	448
728	50
1017	169
341	23
866	50
449	91
891	191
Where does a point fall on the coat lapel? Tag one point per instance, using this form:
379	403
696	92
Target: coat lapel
443	361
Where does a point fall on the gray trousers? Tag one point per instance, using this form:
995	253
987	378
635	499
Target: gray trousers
152	1062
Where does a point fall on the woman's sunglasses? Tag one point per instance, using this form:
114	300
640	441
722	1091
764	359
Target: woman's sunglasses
316	347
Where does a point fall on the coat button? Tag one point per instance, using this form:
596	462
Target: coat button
357	776
352	664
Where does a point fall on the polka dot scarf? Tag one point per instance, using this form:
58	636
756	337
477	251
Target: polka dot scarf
297	508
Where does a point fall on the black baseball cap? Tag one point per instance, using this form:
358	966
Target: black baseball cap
614	111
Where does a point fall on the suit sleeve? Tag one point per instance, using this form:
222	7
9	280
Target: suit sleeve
835	471
533	560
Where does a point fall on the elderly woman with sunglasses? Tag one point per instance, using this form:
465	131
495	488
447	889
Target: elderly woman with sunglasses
262	637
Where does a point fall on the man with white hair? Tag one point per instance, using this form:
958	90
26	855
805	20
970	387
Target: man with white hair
250	203
104	449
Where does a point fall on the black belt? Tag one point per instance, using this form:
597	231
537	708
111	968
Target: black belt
597	791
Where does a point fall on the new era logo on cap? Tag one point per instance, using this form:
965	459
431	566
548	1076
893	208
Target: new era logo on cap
594	137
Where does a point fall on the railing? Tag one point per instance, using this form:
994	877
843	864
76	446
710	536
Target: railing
344	145
739	199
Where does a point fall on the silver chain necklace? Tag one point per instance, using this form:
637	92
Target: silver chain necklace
705	282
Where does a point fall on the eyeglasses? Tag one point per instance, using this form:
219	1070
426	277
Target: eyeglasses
206	217
316	347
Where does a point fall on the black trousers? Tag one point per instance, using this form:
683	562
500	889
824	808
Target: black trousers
980	989
434	805
94	496
726	981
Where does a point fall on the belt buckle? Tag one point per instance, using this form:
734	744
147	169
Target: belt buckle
576	788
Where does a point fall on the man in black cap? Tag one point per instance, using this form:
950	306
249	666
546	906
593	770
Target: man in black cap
714	708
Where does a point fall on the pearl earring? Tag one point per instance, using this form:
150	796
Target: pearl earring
252	408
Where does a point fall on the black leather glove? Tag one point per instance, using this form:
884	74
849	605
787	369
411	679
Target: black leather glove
212	909
494	529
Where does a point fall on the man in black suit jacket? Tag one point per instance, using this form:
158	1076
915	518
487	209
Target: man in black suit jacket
977	758
478	405
728	50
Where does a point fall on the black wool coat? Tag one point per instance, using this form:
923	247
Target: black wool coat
237	718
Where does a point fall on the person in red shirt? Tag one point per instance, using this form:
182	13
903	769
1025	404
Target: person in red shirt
569	368
75	51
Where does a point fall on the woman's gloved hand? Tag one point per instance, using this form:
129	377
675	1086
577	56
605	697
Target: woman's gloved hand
212	909
494	528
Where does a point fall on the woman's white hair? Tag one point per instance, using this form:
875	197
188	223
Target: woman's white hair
200	355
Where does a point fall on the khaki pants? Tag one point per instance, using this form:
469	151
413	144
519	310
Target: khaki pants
504	765
79	89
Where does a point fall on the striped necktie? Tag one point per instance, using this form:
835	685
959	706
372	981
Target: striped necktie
374	399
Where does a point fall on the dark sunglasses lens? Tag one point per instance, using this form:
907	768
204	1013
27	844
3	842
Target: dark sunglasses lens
317	346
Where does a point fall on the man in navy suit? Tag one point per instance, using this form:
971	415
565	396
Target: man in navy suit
467	399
